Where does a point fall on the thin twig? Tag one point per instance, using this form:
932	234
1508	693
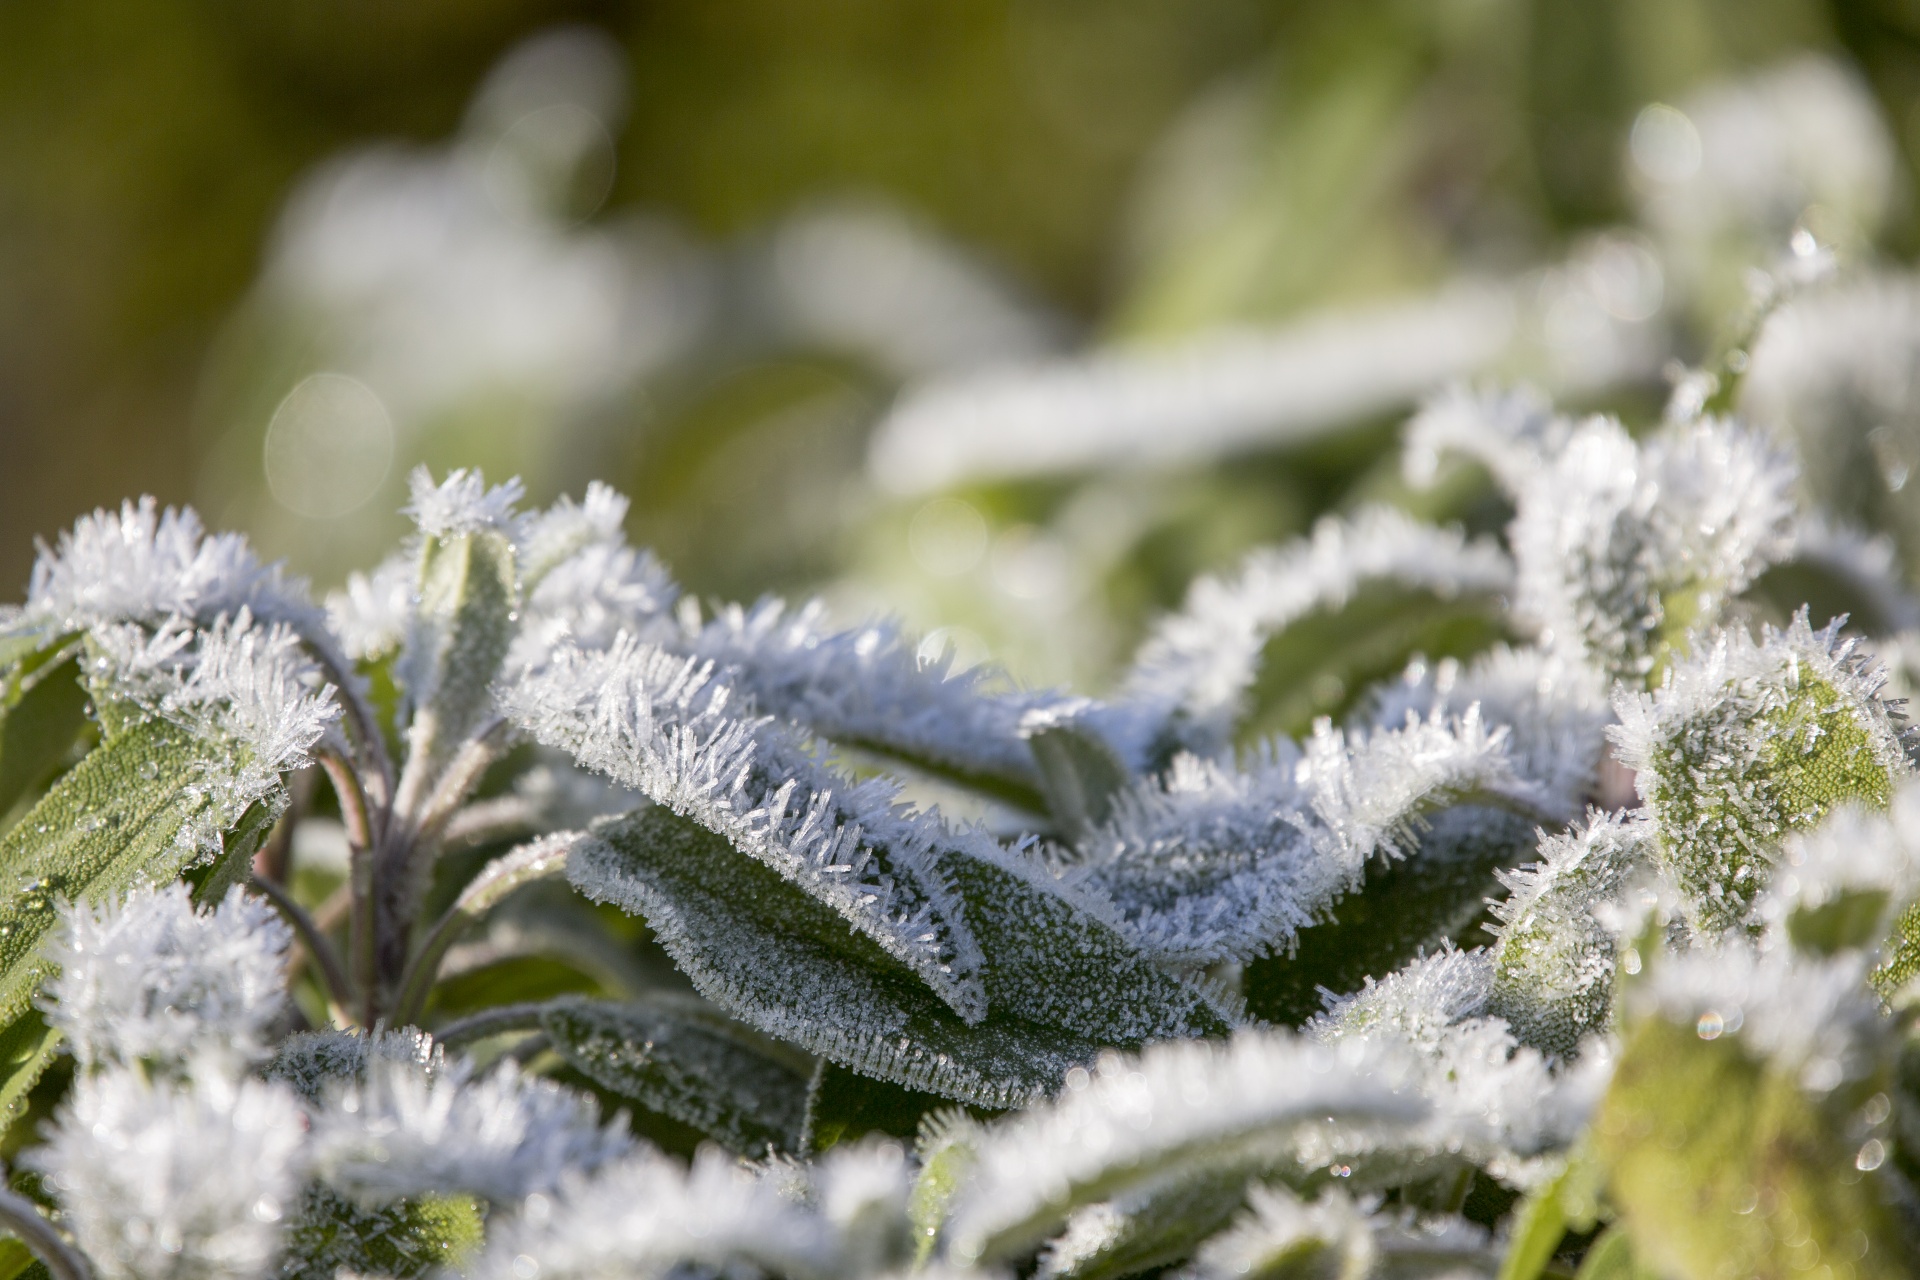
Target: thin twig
370	742
339	989
22	1217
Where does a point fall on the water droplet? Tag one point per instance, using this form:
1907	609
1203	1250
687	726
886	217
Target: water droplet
1873	1154
1710	1026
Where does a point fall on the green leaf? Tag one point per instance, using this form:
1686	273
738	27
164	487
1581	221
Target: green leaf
1323	663
466	616
1406	906
1080	775
237	847
1570	1201
330	1233
780	961
1724	1165
687	1060
15	1258
43	708
948	1143
119	819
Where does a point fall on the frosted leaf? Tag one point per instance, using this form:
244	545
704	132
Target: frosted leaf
1191	677
150	979
312	1062
1623	547
462	503
370	614
1747	741
146	565
1854	854
660	725
1416	1004
1813	1017
648	1217
1207	863
867	687
399	1132
174	1181
1510	431
1553	965
861	1190
550	538
249	691
1554	708
1133	1120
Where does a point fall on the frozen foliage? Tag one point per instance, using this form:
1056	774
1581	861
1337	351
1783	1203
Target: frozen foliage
1554	709
1122	971
150	979
867	687
1131	1121
402	1131
179	1181
1623	546
1206	863
147	565
660	725
1749	740
462	503
1193	672
249	694
370	614
1553	966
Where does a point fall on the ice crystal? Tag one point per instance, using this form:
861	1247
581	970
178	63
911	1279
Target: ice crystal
149	978
400	1131
147	565
462	503
370	613
165	1181
1192	675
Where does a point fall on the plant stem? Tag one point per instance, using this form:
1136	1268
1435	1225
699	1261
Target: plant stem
22	1217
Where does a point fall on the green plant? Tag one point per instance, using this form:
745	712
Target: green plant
1193	997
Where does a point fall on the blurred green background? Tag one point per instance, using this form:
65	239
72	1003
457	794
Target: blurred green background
264	258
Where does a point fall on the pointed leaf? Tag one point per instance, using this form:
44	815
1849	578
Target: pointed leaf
462	628
330	1234
27	1049
687	1060
1080	776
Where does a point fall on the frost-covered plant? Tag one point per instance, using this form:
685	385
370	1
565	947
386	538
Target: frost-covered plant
1416	905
